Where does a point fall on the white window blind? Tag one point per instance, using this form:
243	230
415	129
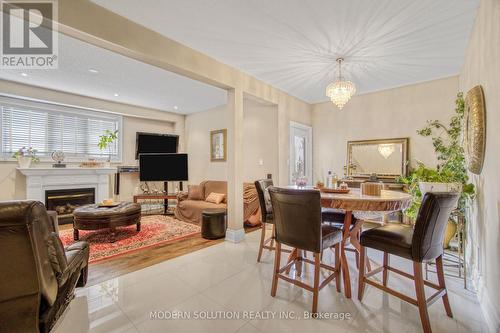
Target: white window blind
49	127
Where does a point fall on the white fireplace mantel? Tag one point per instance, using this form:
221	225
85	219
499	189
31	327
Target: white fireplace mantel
39	180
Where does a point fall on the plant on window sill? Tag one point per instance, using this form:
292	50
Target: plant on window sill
106	141
26	156
451	166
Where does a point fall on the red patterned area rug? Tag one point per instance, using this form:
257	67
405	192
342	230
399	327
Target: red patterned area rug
155	230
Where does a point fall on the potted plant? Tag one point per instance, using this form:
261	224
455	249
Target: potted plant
451	172
106	140
26	156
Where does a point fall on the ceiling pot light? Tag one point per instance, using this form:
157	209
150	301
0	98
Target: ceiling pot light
24	74
340	91
116	94
93	71
176	107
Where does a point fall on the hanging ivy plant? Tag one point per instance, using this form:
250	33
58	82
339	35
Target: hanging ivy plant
451	168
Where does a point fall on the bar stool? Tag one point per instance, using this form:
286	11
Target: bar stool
422	244
298	223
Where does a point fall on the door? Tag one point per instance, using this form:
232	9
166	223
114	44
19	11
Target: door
300	152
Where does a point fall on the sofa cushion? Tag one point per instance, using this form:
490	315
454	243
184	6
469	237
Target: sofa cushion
190	210
214	186
215	198
195	192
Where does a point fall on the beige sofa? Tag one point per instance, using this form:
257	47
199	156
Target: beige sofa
190	209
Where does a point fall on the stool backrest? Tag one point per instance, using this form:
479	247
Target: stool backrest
297	216
261	186
427	242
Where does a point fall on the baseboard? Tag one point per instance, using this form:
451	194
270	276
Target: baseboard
235	236
489	310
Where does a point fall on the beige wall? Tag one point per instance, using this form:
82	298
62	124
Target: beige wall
260	142
198	127
482	66
13	183
392	113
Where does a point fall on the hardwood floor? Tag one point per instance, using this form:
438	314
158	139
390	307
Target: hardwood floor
133	261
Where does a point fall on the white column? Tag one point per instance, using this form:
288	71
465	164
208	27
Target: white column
235	232
283	144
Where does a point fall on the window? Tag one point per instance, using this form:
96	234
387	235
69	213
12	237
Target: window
49	127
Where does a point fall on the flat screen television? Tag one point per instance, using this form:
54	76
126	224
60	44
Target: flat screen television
151	143
163	167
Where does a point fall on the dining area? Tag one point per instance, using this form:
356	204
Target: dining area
306	222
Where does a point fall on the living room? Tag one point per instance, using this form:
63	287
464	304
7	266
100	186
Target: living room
196	166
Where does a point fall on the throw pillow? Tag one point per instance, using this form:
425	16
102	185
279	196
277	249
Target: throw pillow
195	192
215	198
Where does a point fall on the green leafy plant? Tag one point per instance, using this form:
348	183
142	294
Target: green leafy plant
451	168
27	152
106	141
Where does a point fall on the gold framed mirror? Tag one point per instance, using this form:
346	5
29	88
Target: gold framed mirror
474	129
387	158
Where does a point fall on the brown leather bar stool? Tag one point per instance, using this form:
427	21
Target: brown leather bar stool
267	217
297	217
328	215
422	244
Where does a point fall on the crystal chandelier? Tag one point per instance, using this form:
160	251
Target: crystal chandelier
340	91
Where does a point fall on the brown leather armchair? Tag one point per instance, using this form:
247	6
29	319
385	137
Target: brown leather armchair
38	275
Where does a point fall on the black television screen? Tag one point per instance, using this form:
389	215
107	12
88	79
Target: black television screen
150	143
163	167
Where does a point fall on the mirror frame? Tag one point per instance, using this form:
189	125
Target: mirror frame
404	161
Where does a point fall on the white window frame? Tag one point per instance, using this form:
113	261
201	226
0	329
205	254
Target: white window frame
62	108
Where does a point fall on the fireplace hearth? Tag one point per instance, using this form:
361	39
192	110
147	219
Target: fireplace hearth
65	201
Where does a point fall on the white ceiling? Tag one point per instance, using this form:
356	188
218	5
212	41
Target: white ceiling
293	44
136	83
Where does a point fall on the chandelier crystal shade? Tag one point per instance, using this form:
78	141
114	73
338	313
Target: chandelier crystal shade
340	91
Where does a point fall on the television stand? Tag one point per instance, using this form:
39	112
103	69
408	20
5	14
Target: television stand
157	196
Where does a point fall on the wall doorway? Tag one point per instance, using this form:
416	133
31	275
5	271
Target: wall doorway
300	152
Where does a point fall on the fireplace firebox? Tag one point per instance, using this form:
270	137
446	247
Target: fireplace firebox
65	201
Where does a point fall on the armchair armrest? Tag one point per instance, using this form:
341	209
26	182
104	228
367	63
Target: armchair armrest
182	196
54	221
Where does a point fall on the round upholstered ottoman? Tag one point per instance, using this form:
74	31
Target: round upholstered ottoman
213	223
95	217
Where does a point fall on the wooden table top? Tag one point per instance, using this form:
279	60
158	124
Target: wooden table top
355	201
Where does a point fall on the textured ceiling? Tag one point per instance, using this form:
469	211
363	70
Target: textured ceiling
135	82
293	44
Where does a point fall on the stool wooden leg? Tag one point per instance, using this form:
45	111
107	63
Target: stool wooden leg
262	239
277	259
362	268
337	266
76	234
298	263
138	226
442	284
421	300
345	271
385	273
317	268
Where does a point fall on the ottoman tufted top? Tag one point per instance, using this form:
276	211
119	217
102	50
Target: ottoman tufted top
94	211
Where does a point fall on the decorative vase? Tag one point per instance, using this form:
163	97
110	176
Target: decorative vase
24	161
451	230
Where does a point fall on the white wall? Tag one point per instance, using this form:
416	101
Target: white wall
392	113
482	66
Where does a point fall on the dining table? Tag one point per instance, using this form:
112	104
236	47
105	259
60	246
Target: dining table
355	203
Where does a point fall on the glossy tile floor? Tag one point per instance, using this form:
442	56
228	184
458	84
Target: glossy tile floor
224	280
